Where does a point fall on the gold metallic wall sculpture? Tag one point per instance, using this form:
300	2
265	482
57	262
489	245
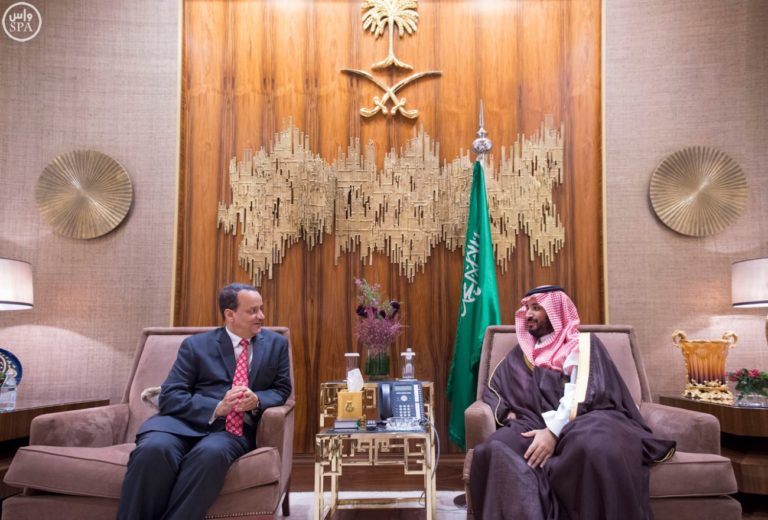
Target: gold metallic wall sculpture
388	13
390	94
404	210
698	191
83	194
378	15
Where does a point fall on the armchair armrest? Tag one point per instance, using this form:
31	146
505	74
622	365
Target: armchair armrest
275	429
695	432
92	427
478	423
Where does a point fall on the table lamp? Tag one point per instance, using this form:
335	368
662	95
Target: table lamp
15	285
749	284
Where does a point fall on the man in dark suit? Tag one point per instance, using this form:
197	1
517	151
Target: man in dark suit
210	404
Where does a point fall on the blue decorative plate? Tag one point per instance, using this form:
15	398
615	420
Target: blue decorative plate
9	361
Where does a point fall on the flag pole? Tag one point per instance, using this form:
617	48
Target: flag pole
481	146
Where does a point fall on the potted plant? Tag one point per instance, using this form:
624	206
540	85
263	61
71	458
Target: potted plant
752	385
378	325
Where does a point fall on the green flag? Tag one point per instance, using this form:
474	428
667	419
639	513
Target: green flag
478	309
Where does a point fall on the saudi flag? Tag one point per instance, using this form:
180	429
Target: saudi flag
478	309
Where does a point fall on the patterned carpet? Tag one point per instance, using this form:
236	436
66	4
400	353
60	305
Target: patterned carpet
302	503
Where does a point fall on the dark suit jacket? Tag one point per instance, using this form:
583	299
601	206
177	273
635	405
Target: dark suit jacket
202	374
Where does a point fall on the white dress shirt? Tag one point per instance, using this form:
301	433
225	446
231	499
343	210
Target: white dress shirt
238	348
557	419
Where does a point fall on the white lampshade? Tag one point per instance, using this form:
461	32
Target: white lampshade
15	285
749	283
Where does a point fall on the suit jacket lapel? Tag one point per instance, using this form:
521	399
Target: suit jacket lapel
227	353
259	351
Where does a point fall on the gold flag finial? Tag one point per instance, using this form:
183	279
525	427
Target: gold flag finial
481	145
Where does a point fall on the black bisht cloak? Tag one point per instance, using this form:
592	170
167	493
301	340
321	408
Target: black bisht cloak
600	467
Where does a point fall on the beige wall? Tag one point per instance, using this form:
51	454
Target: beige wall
102	76
677	74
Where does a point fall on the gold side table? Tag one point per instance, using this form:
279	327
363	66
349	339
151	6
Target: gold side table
413	450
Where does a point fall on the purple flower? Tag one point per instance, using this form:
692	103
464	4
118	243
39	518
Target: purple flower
378	324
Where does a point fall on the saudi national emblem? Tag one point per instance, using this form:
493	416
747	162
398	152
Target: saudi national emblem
379	15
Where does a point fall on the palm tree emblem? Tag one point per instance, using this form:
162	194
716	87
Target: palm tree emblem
388	14
380	14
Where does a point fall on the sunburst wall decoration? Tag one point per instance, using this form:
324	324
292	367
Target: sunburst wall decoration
403	211
698	191
83	194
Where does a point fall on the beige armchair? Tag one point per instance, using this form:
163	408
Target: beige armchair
693	484
76	461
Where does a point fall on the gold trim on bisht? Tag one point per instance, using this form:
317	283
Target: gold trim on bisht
498	396
582	376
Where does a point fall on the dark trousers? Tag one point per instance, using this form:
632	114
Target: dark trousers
173	477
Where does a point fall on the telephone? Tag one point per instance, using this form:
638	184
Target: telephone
401	399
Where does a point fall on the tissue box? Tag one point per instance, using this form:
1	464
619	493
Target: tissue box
349	404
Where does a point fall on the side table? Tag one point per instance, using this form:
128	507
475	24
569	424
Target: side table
414	451
14	428
743	432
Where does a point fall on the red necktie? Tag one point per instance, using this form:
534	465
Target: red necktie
234	419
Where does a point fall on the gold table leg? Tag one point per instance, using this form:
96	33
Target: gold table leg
430	480
319	509
334	458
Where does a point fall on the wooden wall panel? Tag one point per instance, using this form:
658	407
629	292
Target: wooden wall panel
249	67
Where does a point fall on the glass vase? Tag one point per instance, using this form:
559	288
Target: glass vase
377	362
752	400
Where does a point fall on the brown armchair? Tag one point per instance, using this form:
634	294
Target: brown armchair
693	484
76	461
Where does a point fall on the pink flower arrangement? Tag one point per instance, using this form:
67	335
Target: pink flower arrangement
751	381
378	322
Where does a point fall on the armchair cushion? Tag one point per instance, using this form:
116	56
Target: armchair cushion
99	472
693	474
92	427
95	472
479	423
256	468
694	432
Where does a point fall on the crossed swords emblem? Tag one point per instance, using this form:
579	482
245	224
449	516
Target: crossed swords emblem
398	103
